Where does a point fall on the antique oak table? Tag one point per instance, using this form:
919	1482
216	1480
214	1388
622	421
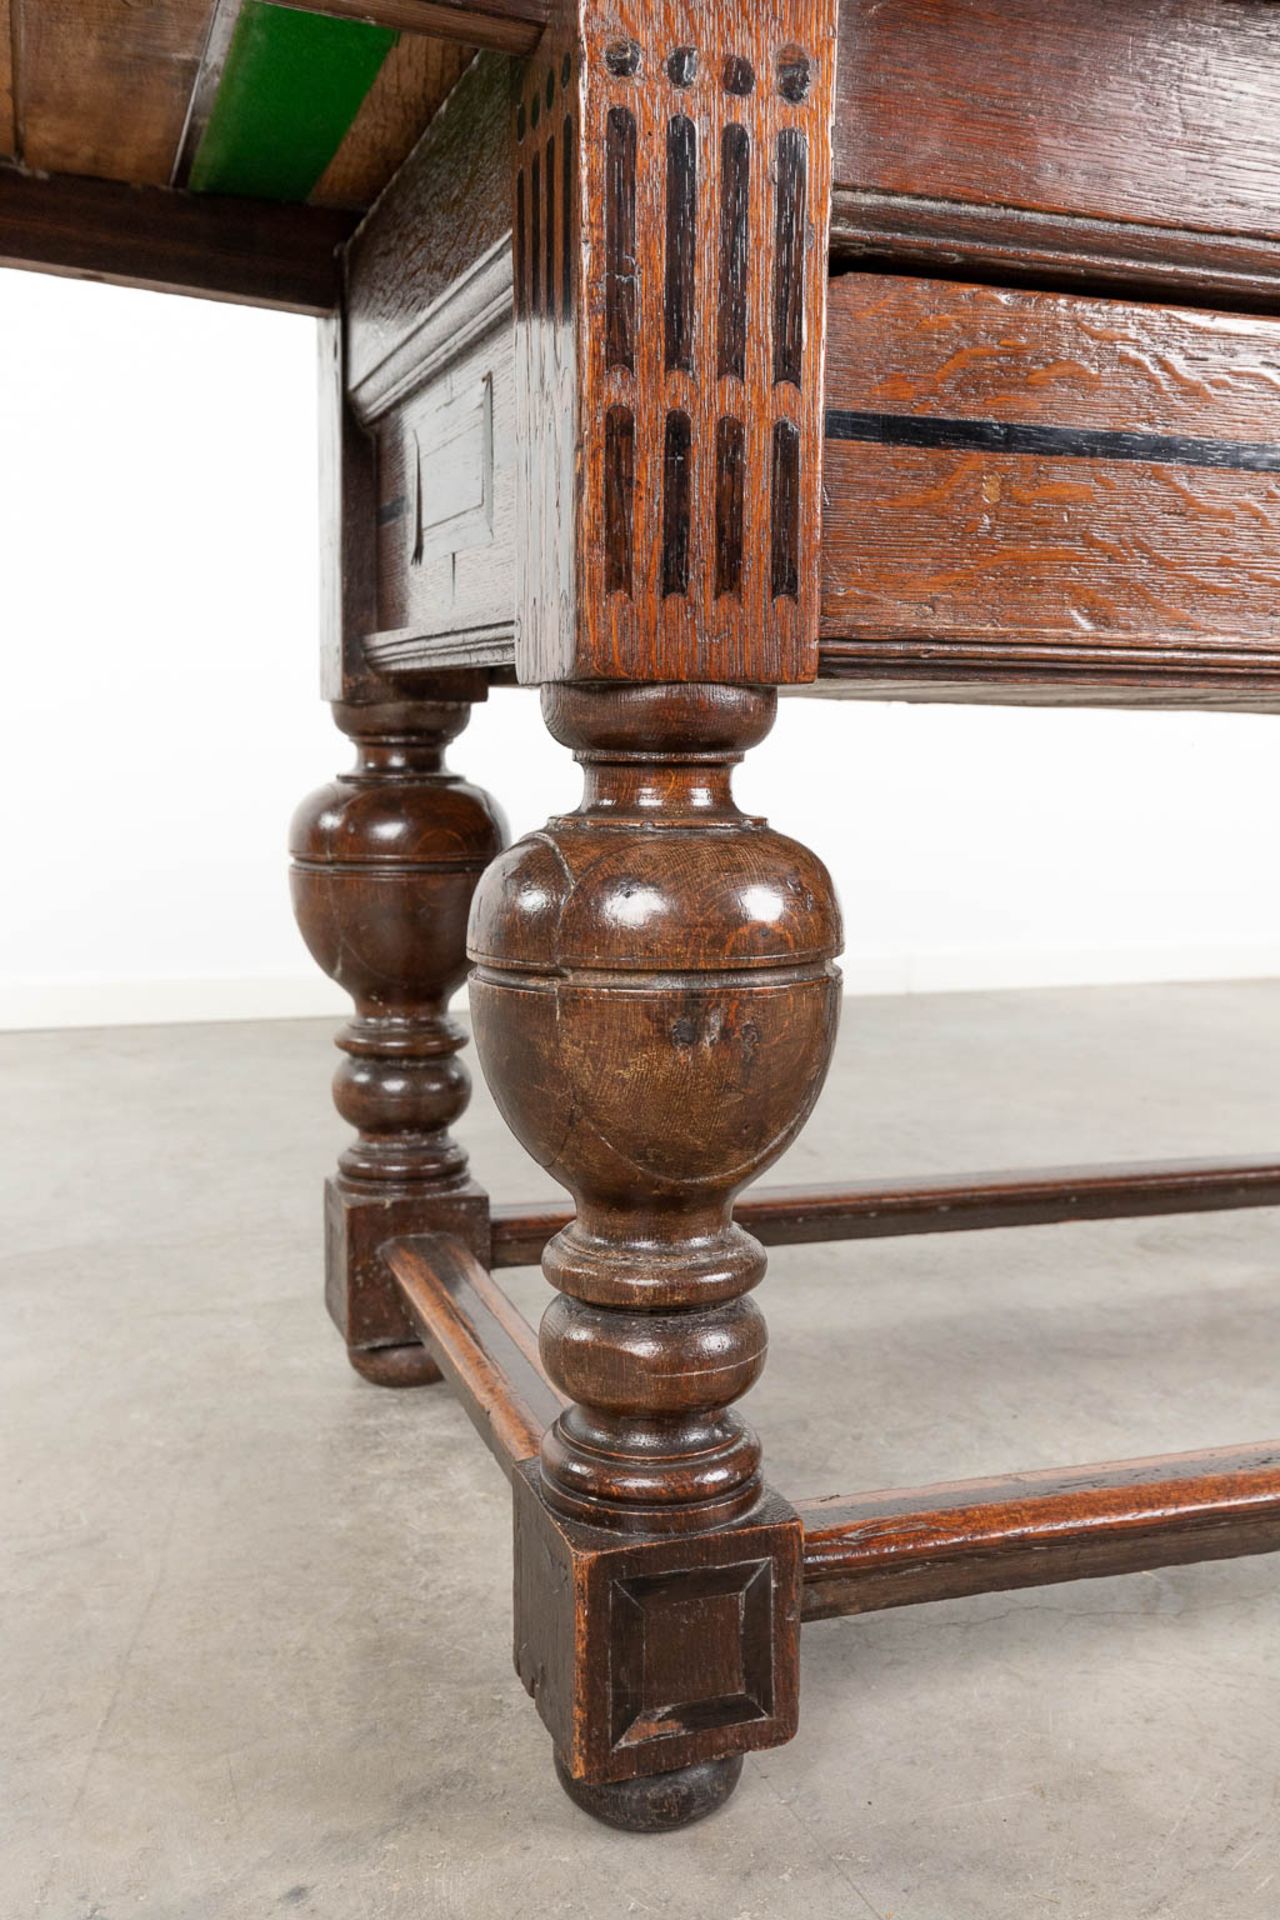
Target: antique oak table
685	352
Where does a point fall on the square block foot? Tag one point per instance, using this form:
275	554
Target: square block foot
647	1654
362	1297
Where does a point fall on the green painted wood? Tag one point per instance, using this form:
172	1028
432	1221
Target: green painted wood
292	84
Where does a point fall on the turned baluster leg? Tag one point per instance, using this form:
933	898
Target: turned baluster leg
385	861
654	1003
654	998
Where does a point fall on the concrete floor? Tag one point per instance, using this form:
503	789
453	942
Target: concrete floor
255	1613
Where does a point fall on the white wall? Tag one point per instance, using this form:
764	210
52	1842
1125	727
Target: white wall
158	554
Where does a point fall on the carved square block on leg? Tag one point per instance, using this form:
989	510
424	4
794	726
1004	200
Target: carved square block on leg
644	1655
360	1291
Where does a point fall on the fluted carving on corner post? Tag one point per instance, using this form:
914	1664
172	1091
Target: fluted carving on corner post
385	860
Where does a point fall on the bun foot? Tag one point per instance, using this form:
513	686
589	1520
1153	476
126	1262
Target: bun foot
659	1802
407	1366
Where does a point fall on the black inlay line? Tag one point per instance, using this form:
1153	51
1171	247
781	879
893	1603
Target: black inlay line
677	501
682	215
788	255
1069	443
620	271
784	510
619	497
731	461
735	183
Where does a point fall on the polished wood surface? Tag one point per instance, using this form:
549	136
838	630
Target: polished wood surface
1049	425
656	1030
935	1543
654	1005
1071	251
1061	471
672	185
484	1347
883	1209
385	861
1164	111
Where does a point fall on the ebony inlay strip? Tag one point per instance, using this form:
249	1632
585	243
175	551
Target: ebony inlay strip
567	147
1070	443
682	215
551	225
535	235
730	477
735	180
677	490
788	256
784	509
619	497
620	274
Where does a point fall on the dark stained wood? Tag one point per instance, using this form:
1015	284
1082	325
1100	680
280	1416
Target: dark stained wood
429	507
8	125
249	251
647	1655
385	861
1029	494
982	481
103	85
447	207
652	98
504	26
876	1550
873	1210
1017	670
953	240
654	1005
1161	111
656	1802
483	1345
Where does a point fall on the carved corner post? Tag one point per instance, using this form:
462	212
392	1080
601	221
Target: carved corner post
385	861
654	997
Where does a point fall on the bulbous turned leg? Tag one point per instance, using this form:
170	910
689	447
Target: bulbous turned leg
655	1005
385	861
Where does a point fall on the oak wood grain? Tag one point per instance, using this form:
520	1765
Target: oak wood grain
447	207
415	77
485	1348
869	1551
503	26
105	84
1165	111
947	544
1074	251
653	544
